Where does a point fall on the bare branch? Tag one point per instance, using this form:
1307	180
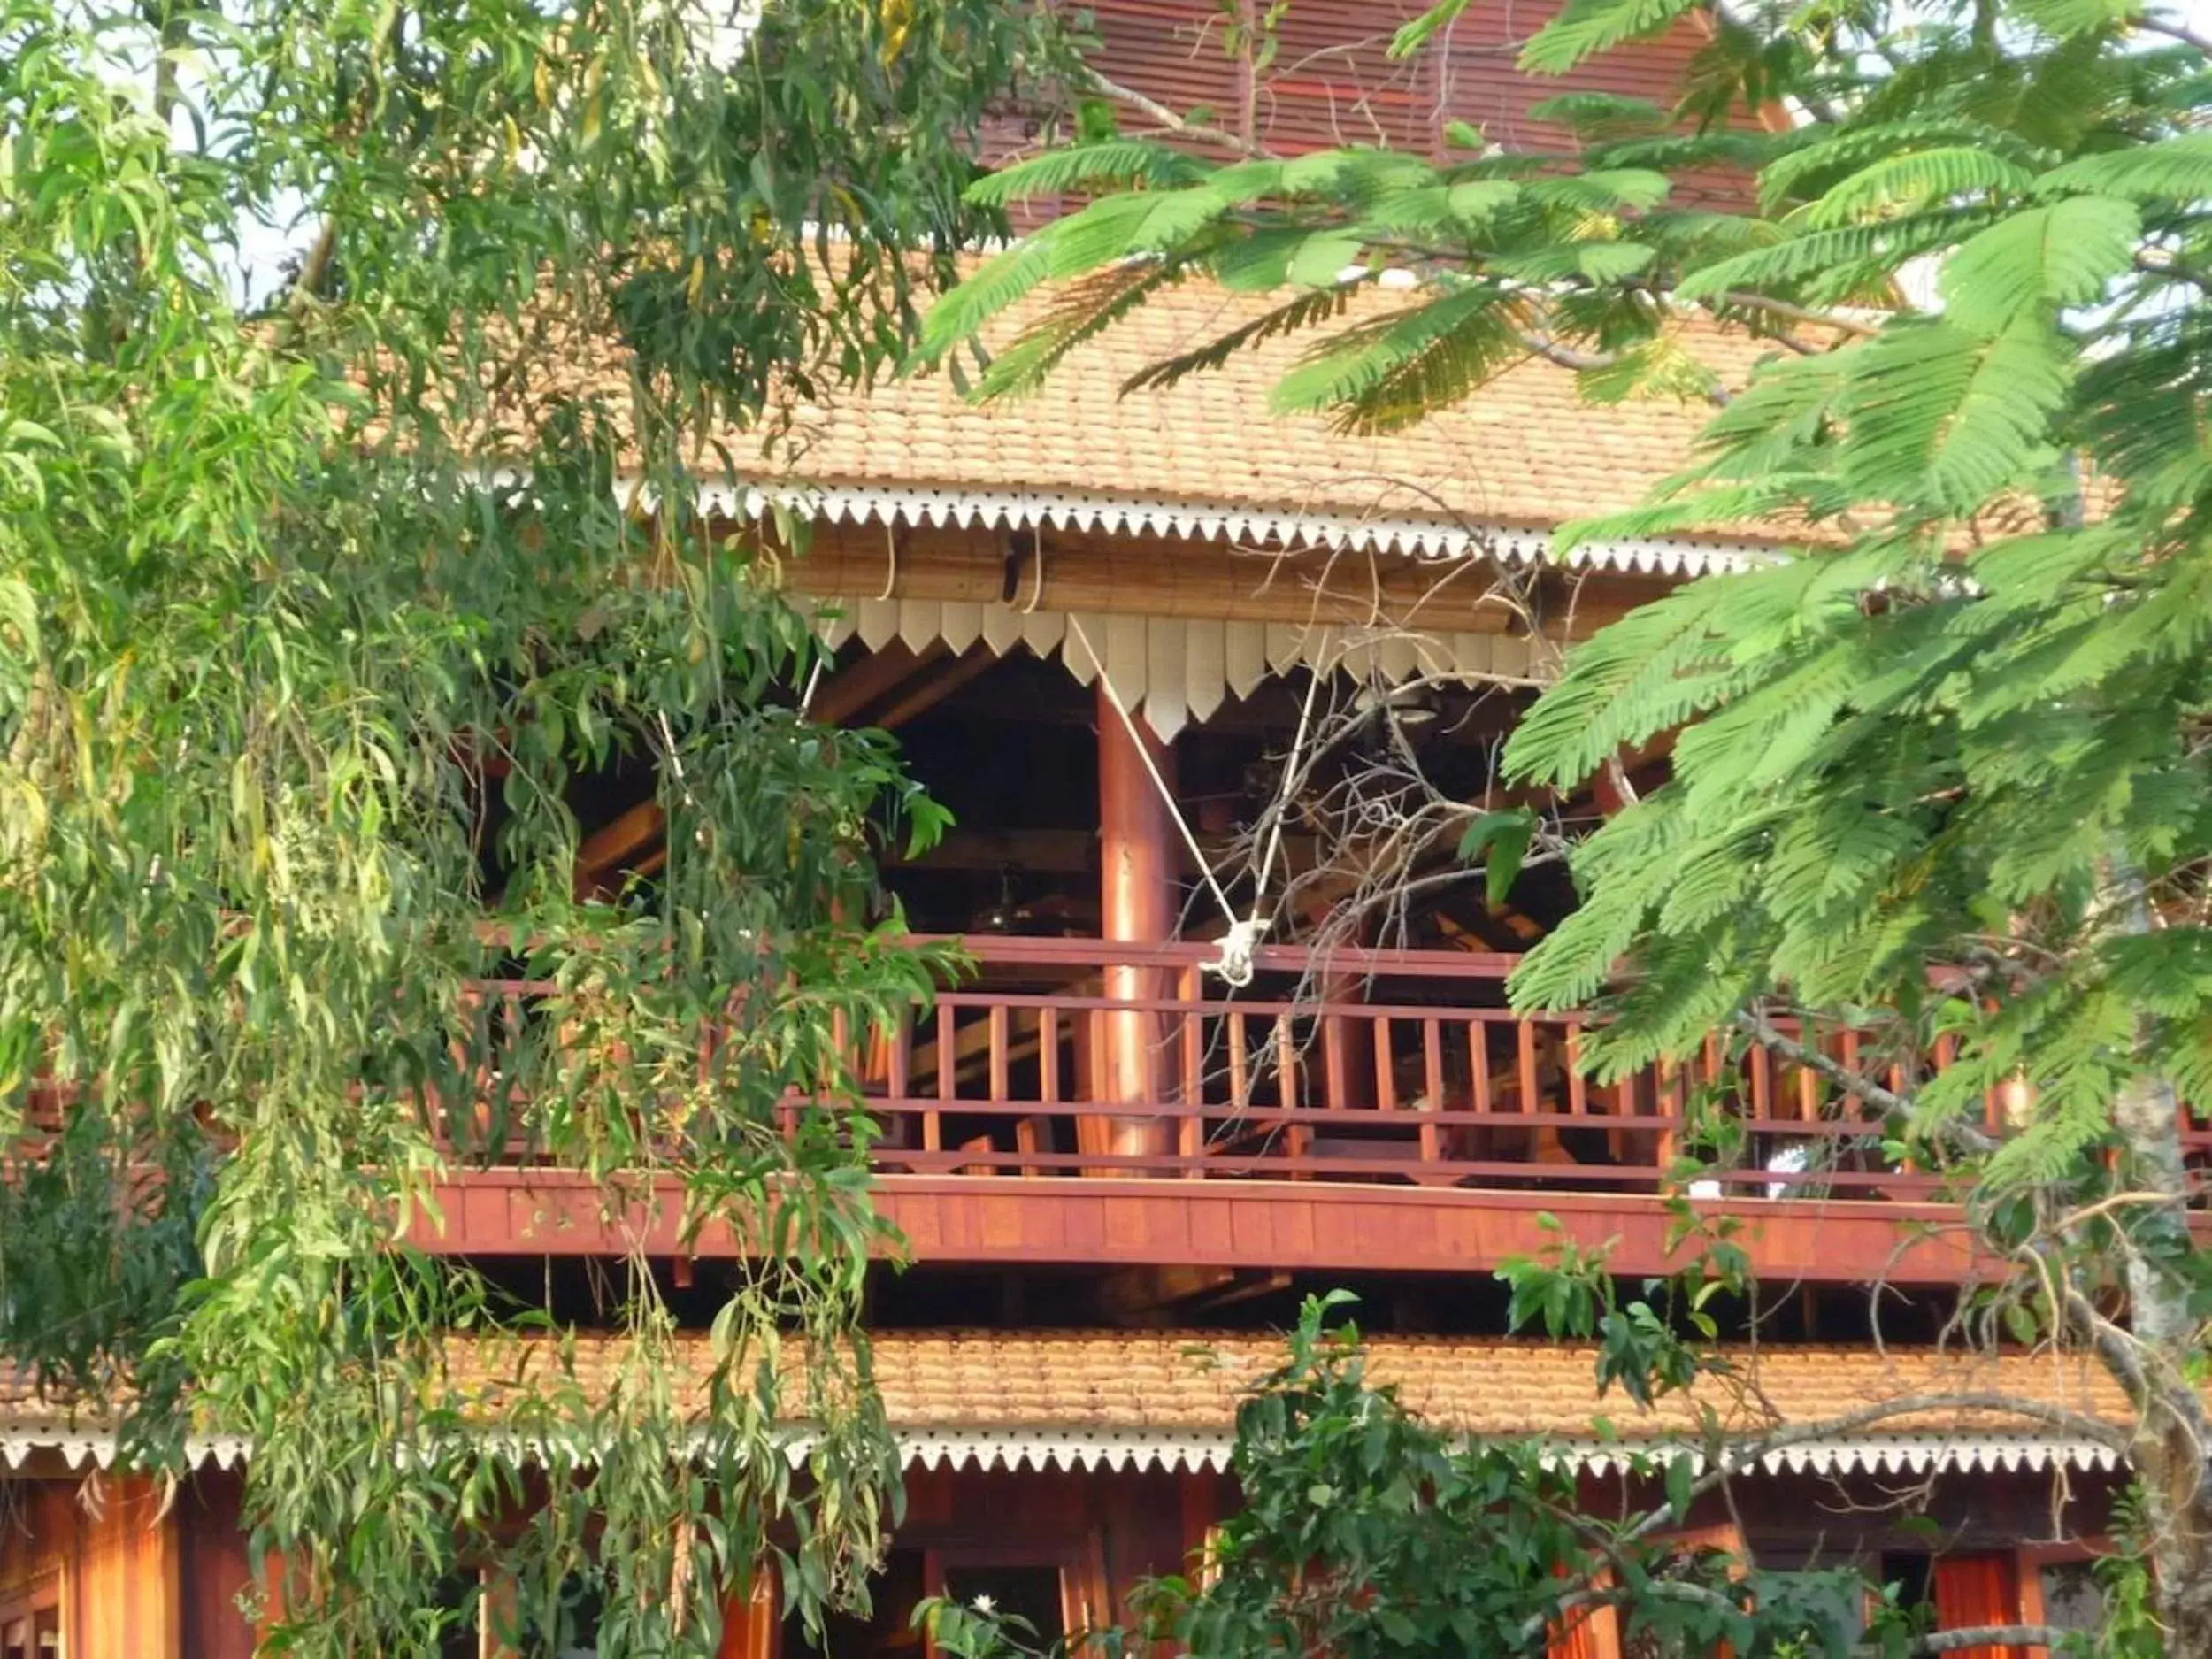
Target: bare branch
1153	110
1988	1636
1762	1030
2180	32
1799	313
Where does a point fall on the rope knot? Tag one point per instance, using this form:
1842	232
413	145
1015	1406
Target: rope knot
1237	945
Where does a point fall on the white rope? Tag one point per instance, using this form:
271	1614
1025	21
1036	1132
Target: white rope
1037	587
1242	938
891	569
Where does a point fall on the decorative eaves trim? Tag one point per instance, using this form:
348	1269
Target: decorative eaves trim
1177	670
1071	510
1046	1447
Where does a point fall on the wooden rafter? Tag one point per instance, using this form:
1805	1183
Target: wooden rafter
843	696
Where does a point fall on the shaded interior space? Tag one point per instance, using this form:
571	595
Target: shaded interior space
1091	872
944	1295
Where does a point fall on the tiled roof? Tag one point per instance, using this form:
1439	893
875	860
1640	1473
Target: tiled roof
1122	1380
1124	1399
1524	451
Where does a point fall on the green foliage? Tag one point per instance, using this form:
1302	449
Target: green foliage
1367	1533
294	700
1936	773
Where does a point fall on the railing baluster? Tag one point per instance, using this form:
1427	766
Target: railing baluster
1191	1131
1386	1070
1002	1067
1240	1062
1299	1139
1478	1062
1577	1086
1047	1123
898	1075
1432	1083
1335	1074
947	1063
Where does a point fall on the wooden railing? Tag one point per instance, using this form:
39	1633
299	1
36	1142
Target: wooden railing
1366	1066
1370	1067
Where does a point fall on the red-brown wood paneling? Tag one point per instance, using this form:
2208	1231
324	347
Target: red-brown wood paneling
1285	1225
213	1569
1979	1588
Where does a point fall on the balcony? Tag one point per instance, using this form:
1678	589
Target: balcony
1082	1100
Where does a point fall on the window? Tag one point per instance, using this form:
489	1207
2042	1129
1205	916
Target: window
2072	1599
1030	1593
1029	1586
2058	1586
888	1630
30	1623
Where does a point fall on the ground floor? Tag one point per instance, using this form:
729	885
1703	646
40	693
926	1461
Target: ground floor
101	1566
1055	1471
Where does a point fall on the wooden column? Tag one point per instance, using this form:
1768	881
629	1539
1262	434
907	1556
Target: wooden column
1136	905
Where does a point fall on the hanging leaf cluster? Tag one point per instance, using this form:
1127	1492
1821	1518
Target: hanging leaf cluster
342	351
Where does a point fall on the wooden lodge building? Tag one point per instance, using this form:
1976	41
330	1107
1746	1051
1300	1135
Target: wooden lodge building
1093	620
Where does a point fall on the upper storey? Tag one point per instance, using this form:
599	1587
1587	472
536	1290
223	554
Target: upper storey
1320	74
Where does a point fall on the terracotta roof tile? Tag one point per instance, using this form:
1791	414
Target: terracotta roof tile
1119	1380
1524	451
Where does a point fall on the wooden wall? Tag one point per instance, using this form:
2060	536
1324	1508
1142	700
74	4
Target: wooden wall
214	1569
111	1545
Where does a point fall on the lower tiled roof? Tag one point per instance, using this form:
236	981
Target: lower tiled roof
1117	1381
1120	1398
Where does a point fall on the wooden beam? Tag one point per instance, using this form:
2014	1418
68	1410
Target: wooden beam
620	839
935	685
842	696
1166	576
1262	1225
1066	852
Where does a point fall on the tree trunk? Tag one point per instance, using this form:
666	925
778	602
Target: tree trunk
2172	1435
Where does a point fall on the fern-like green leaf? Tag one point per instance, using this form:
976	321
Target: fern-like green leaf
1117	162
2063	18
960	315
1389	373
1791	262
2063	254
1913	180
1608	190
1307	310
1941	416
1082	310
1586	27
1830	153
2173	170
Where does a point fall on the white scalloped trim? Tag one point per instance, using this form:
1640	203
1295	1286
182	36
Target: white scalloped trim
1046	1448
1073	509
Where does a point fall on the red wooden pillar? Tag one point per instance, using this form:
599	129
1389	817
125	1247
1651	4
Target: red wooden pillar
749	1620
1977	1589
1137	906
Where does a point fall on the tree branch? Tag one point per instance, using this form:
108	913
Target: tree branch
1152	109
1988	1636
1799	313
2079	1423
1762	1029
2180	32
